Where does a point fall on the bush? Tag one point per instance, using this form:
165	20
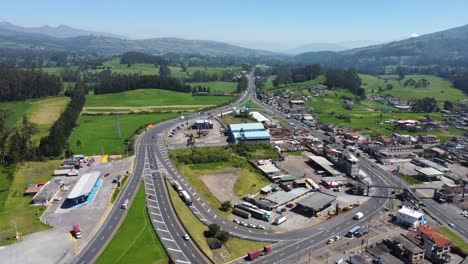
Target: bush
226	205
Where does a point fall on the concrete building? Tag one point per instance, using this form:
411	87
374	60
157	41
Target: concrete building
409	218
436	245
248	132
84	188
350	164
270	170
47	192
405	249
315	202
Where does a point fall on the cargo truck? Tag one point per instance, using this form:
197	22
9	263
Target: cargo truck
186	197
280	220
241	213
77	231
177	186
257	253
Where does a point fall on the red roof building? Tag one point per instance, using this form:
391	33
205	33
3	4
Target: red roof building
435	244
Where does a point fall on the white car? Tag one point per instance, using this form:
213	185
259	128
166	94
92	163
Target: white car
331	240
337	238
186	237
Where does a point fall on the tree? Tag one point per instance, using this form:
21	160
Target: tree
223	236
4	133
213	229
448	105
164	71
243	84
424	105
226	205
78	144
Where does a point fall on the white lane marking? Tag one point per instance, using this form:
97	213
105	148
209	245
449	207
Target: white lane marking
168	239
155	213
203	204
183	261
162	230
173	249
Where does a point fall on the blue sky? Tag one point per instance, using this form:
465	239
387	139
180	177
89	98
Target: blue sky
255	23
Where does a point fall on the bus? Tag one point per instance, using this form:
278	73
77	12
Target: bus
353	231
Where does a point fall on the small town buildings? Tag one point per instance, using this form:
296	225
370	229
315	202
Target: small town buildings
408	217
323	166
428	139
405	249
429	174
350	164
296	102
333	182
47	192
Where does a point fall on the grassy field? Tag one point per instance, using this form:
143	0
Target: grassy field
153	98
57	70
135	240
17	207
228	87
365	115
143	68
251	104
230	119
439	88
292	86
43	112
237	247
457	241
98	133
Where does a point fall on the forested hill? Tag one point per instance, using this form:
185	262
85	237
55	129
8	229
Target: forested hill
111	46
433	52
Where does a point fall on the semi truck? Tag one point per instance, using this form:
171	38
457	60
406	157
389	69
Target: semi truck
177	186
257	253
256	213
186	197
77	231
241	213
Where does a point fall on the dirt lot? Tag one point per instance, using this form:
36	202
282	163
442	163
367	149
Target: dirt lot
215	136
222	184
297	166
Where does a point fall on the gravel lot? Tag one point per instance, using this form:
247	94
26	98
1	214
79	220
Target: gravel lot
221	185
214	138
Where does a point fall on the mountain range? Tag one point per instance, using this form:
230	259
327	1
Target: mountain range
64	38
445	48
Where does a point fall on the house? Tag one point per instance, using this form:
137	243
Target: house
428	139
296	102
385	140
408	217
352	135
405	249
436	245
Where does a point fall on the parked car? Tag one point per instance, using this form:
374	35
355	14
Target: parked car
107	174
290	205
331	240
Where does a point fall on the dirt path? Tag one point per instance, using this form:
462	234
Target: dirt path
222	184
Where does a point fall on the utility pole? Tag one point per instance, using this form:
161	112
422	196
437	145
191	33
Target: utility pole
117	125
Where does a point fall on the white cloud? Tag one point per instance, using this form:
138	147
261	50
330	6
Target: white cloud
414	35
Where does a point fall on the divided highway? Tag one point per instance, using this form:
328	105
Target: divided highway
152	160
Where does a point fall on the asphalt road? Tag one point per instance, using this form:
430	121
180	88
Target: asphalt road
152	159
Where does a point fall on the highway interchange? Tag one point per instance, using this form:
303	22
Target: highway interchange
152	164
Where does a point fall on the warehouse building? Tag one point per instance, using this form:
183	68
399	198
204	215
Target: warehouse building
85	189
259	117
315	202
248	132
282	197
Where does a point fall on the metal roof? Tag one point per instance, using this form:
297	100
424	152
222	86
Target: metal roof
84	185
252	135
246	127
316	200
259	117
268	168
410	212
429	172
282	197
324	163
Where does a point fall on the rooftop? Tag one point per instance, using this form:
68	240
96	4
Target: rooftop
316	200
434	235
324	163
84	185
202	121
268	168
252	135
429	172
282	197
246	127
259	117
408	211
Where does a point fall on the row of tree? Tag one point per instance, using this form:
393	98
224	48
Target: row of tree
17	84
55	142
115	83
345	79
132	57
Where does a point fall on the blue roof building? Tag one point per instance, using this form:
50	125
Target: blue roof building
249	132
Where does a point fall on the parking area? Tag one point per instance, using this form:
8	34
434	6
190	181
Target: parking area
179	135
87	216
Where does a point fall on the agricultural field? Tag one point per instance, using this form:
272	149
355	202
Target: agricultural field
16	208
228	87
234	248
178	73
441	89
43	112
99	133
143	68
365	115
292	86
135	240
57	70
151	100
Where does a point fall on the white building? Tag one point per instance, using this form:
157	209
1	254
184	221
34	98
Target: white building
410	218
